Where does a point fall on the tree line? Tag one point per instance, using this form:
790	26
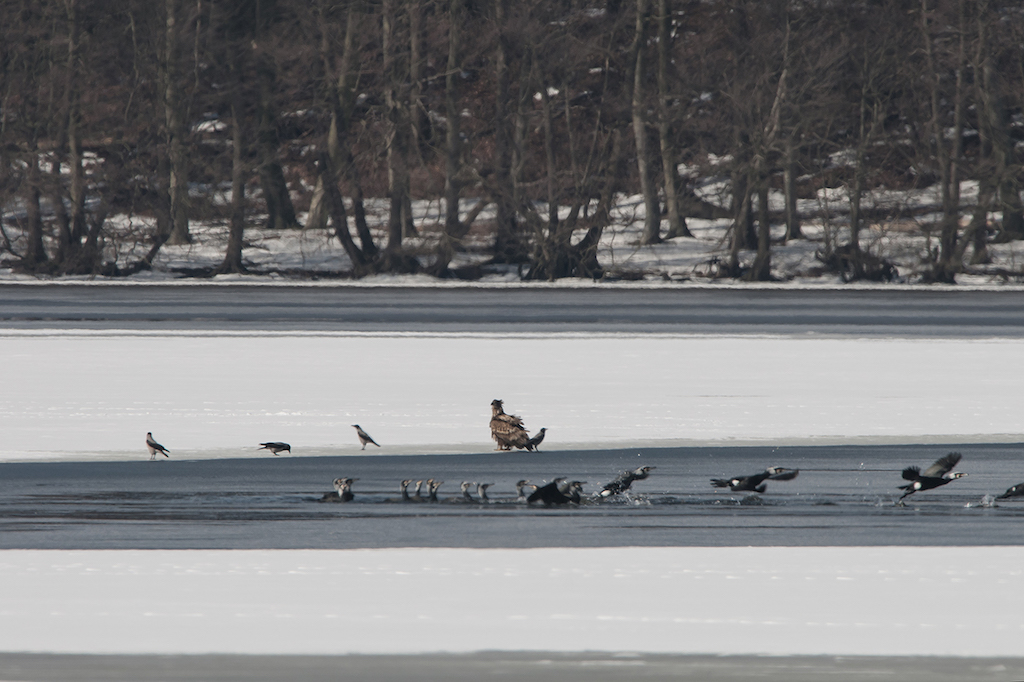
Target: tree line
525	117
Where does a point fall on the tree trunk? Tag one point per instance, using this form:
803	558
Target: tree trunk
236	231
652	220
676	222
174	124
789	174
507	248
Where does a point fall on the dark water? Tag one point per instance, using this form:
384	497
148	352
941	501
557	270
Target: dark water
843	496
540	666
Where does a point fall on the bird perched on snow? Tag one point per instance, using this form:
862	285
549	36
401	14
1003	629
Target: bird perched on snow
1015	491
276	447
534	443
155	447
507	429
364	437
932	477
624	480
756	482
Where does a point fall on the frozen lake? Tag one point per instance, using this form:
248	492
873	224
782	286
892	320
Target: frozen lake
225	550
844	496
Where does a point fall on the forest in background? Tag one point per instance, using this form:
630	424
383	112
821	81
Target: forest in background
523	118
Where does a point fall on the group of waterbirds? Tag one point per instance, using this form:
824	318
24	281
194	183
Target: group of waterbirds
508	432
559	491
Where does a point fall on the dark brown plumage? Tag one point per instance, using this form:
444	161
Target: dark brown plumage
507	429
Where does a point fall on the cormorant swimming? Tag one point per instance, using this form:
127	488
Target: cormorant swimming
481	491
433	486
404	487
934	476
342	491
521	487
364	437
549	494
624	480
756	482
276	447
466	497
416	496
155	447
1015	491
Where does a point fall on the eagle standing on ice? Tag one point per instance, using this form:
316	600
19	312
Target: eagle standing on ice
507	429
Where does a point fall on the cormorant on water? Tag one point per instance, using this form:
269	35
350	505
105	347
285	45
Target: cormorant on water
756	482
466	497
342	491
433	486
481	491
932	477
416	496
364	437
276	447
1015	491
534	443
624	480
521	487
549	494
572	490
155	447
404	486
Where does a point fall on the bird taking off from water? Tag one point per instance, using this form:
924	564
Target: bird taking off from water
755	483
364	437
276	447
507	429
534	443
154	447
932	477
549	494
624	480
1015	491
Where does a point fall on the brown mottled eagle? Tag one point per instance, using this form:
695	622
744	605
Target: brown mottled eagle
507	429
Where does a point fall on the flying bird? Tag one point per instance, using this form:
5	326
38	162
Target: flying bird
276	447
364	437
534	443
934	476
756	482
155	447
507	429
1015	491
624	480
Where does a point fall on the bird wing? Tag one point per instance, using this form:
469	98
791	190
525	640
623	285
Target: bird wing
784	474
911	473
942	466
720	482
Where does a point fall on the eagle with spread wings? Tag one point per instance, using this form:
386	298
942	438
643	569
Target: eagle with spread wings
507	429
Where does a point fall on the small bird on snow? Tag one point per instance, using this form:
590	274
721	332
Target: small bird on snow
154	447
276	447
364	437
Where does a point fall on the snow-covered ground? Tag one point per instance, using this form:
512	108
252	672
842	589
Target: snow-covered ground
280	255
777	601
86	395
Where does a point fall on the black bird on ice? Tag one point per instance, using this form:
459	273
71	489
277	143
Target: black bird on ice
154	447
276	447
934	476
756	482
364	437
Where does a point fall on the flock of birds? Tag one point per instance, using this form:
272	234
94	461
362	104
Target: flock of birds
508	431
558	492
